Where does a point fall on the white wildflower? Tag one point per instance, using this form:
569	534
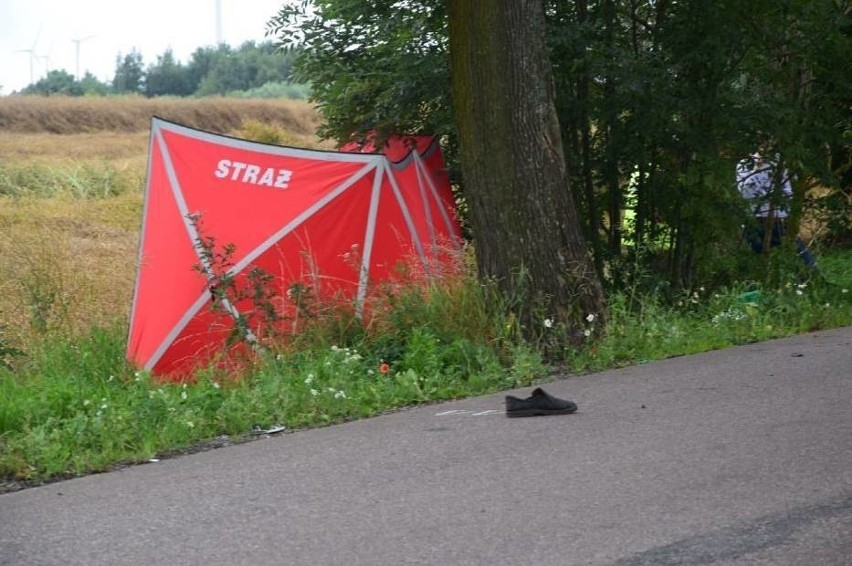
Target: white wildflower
215	384
340	395
587	333
548	323
314	392
309	379
183	394
190	424
590	317
730	314
798	291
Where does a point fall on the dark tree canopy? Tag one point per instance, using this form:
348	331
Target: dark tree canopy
252	69
657	101
129	73
373	64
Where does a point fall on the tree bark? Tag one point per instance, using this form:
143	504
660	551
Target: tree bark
527	234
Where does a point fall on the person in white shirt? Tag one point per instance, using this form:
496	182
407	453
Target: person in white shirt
767	192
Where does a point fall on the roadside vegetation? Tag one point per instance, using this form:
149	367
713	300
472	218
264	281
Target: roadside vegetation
70	211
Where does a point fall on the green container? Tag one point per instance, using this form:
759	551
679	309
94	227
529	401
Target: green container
749	297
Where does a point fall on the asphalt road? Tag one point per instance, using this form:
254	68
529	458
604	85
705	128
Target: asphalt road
741	456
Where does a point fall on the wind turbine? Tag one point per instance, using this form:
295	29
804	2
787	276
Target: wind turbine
218	23
31	51
77	43
45	59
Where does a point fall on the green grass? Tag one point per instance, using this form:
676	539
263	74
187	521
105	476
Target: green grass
73	406
792	300
83	180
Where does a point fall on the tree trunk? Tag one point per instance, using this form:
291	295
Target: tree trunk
527	234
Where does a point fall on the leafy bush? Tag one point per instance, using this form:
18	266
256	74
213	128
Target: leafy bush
276	89
265	132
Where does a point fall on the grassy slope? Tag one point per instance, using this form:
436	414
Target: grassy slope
70	209
71	176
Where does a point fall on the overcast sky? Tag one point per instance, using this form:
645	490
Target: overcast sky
116	26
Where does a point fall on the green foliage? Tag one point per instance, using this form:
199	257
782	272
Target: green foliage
223	70
264	132
657	102
167	77
62	82
56	82
372	66
84	180
249	71
650	328
89	85
129	73
275	89
253	291
7	352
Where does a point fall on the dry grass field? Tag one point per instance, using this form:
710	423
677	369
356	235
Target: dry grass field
71	179
64	115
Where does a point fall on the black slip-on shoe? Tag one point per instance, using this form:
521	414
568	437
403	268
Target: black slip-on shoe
539	403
